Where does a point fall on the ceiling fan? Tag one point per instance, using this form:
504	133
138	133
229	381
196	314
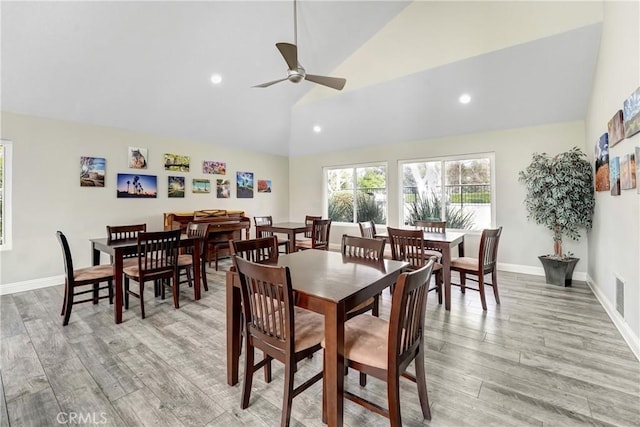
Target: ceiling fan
296	73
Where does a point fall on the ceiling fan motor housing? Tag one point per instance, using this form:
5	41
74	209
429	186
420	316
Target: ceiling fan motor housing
296	76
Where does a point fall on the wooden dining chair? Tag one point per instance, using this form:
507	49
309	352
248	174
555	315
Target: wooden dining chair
367	229
432	227
308	220
485	263
76	278
185	261
157	261
319	236
116	233
409	246
356	249
397	342
274	325
267	220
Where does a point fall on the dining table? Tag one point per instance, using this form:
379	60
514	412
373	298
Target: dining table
288	228
444	242
327	283
120	248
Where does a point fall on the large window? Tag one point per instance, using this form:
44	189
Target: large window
457	190
5	194
357	193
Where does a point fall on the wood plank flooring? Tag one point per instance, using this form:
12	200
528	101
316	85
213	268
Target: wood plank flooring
545	356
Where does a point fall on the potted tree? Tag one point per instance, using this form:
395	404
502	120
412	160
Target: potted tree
560	197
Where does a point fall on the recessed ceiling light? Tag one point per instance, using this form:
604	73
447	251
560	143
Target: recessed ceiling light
317	129
216	79
465	98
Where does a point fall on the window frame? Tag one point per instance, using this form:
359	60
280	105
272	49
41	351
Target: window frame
354	166
455	157
7	147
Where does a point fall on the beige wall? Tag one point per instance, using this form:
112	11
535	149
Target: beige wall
47	195
522	241
614	242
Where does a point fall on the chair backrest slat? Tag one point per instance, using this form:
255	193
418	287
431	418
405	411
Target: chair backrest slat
263	250
124	232
363	248
431	226
263	220
408	245
267	303
406	320
308	220
488	252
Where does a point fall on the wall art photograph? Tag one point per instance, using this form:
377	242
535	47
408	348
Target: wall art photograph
602	164
637	158
264	186
244	184
175	187
616	129
628	172
614	167
223	188
176	162
201	186
216	168
631	112
136	186
138	158
92	170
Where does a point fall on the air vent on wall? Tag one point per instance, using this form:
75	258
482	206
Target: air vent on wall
620	295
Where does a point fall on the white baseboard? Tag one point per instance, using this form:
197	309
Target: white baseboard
536	271
632	341
29	285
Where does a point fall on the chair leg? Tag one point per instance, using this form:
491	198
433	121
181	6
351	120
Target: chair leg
363	380
64	298
110	282
126	293
324	389
439	280
463	281
421	381
267	368
141	298
376	305
96	291
483	298
215	254
287	399
393	395
203	274
67	306
175	290
248	374
494	280
189	277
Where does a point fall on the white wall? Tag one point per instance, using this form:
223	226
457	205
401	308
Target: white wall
47	195
521	242
614	242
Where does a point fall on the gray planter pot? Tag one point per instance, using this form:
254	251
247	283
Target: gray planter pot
558	272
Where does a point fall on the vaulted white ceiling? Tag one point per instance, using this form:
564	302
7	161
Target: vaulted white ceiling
145	66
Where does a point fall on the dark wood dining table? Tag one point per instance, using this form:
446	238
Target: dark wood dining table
288	228
444	242
121	248
326	283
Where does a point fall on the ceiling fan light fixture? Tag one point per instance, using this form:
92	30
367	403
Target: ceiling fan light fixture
465	98
317	128
216	78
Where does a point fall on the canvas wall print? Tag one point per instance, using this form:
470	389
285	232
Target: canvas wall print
602	164
631	113
614	167
244	184
637	162
627	172
137	186
616	129
92	171
223	188
176	162
216	168
264	186
201	186
138	158
175	189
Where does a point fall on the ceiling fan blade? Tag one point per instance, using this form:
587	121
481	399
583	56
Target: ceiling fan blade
332	82
267	84
289	53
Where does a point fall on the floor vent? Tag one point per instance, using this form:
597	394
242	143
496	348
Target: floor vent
620	295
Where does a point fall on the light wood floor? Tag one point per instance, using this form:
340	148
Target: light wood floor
546	356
